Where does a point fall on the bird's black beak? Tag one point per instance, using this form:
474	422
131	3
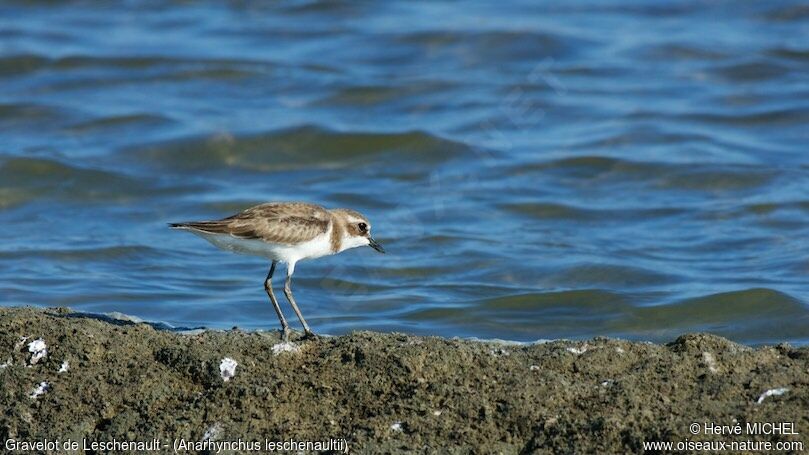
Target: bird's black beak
375	245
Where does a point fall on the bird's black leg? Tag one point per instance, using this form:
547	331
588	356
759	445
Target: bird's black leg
268	288
288	292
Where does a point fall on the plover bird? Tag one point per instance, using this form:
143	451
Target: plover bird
287	232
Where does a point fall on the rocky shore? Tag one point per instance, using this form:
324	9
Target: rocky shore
85	382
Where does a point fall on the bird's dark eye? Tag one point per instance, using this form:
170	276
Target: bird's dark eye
363	227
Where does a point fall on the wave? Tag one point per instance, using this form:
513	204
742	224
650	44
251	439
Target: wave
26	179
560	211
415	92
300	147
497	45
119	122
121	252
771	117
755	315
661	175
788	13
19	113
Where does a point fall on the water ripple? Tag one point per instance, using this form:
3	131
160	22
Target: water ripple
535	170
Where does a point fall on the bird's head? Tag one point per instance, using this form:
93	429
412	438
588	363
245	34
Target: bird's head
357	230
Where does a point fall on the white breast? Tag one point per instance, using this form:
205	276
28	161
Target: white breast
315	248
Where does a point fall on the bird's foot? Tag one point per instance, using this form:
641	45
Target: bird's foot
285	332
309	335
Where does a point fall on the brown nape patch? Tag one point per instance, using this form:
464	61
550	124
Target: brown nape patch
336	234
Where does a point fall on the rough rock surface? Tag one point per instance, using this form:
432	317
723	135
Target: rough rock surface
386	392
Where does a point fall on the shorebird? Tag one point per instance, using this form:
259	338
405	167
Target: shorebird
286	232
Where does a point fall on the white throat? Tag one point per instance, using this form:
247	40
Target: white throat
350	241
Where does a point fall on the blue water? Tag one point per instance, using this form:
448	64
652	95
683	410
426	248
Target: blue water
621	168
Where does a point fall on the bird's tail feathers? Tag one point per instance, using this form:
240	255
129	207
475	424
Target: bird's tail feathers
214	227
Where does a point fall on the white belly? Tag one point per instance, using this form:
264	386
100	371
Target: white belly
315	248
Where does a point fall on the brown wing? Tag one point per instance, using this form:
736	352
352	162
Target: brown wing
277	222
